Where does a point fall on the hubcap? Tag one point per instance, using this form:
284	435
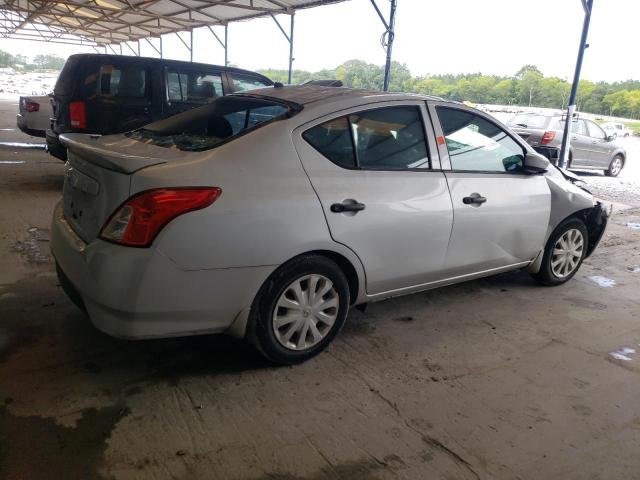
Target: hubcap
305	312
567	253
617	166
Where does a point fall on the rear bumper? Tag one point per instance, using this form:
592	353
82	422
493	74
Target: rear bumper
140	293
54	146
21	121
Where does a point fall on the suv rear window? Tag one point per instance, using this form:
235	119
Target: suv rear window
528	120
211	125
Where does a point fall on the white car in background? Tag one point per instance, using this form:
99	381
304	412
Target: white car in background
34	115
617	130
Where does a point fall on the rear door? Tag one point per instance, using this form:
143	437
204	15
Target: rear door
187	88
580	144
500	213
383	194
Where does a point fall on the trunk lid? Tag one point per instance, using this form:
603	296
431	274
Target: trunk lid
97	177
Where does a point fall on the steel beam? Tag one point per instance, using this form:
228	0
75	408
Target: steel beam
566	137
289	38
390	36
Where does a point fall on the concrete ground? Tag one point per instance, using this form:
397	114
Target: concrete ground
493	379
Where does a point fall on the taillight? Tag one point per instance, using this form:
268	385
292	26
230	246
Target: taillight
30	106
78	114
137	222
547	137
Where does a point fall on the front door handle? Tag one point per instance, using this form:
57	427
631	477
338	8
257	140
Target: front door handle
474	199
347	206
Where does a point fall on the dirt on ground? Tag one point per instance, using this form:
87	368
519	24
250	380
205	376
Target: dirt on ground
493	379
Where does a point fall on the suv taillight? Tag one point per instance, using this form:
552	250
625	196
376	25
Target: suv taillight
78	114
30	106
547	137
137	222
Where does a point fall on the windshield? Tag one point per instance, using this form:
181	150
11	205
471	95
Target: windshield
528	120
213	124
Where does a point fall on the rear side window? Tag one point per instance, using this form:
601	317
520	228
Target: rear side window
213	124
128	81
333	140
389	138
475	144
195	87
242	83
68	75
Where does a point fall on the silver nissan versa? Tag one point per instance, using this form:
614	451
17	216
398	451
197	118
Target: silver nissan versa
267	215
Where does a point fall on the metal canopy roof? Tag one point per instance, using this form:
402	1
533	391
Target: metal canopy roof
103	22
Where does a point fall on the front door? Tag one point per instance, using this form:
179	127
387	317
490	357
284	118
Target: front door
187	88
382	194
501	214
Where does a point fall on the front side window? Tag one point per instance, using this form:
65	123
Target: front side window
123	81
243	83
213	124
595	131
475	144
390	138
195	87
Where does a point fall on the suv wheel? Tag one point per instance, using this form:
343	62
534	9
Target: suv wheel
563	253
300	309
615	167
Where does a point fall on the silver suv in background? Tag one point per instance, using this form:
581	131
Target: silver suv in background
591	147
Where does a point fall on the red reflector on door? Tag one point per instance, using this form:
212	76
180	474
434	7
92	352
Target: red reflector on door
440	140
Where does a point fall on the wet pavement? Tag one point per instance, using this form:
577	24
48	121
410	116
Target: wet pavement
493	379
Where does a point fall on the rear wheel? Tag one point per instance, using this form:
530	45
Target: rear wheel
563	253
615	167
300	309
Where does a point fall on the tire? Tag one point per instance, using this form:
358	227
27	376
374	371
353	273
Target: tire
284	332
551	271
615	167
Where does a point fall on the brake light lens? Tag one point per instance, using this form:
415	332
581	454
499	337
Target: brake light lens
78	114
547	137
139	220
31	106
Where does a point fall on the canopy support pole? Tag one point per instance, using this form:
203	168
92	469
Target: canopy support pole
188	47
158	50
289	38
390	36
587	5
222	44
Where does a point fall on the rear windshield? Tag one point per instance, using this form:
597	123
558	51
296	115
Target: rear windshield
528	120
213	124
64	84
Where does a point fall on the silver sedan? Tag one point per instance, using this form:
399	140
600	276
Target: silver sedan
268	215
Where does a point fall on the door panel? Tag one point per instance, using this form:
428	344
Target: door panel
501	214
580	144
401	235
601	149
509	228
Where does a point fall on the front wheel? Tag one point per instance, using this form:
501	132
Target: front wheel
563	253
615	167
300	309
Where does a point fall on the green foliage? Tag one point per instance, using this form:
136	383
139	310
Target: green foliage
527	87
40	62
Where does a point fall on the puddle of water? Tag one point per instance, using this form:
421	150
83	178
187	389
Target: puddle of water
12	162
602	281
37	146
635	226
623	354
634	269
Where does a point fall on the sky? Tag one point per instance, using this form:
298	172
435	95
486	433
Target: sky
432	37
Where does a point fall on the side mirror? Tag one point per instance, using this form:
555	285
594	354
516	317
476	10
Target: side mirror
610	138
535	163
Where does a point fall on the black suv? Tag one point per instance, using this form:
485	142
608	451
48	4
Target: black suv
106	94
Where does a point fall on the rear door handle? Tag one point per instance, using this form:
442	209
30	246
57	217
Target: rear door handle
347	206
474	199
